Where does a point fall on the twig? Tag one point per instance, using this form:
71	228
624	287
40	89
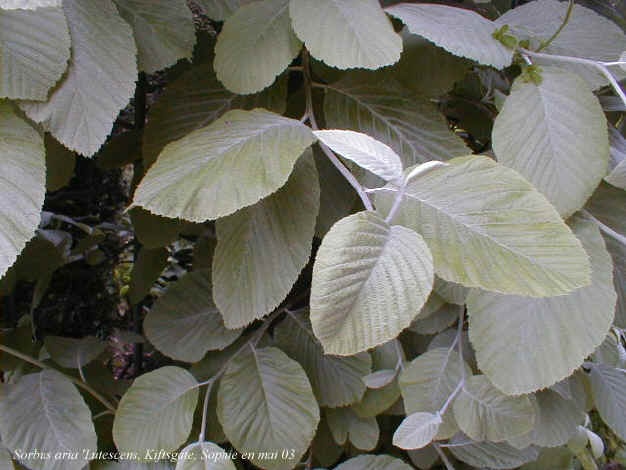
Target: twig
568	15
445	460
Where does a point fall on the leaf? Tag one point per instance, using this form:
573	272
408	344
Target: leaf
617	163
424	458
336	380
451	292
494	455
346	33
255	45
60	164
557	458
154	231
608	207
262	249
163	30
229	164
547	338
204	456
587	35
417	430
380	378
428	381
462	32
345	425
365	269
555	134
265	403
147	268
488	227
73	353
156	412
80	111
373	462
28	4
324	448
219	10
365	151
44	411
608	385
195	100
184	323
35	49
384	110
6	462
438	321
22	184
486	414
611	352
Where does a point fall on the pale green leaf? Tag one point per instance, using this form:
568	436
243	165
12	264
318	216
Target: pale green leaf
556	420
156	412
336	380
376	401
611	352
486	414
22	184
608	207
265	403
428	381
345	425
346	33
147	268
219	10
98	84
73	353
424	458
154	231
28	4
495	455
229	164
373	462
262	249
555	134
195	100
427	69
255	45
184	323
35	49
547	338
608	385
44	411
60	163
204	456
417	430
408	123
451	292
325	450
369	281
438	321
558	458
164	31
462	32
365	151
617	164
380	378
596	444
488	227
587	35
6	463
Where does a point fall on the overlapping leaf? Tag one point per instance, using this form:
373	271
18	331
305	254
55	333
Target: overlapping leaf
488	227
164	31
81	109
417	430
369	281
35	49
388	112
255	45
373	462
156	413
345	425
262	249
184	323
204	456
496	455
44	411
22	184
462	32
547	338
219	10
609	394
230	164
73	353
555	134
617	164
265	403
346	33
336	380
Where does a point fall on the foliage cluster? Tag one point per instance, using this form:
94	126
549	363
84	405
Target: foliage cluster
409	227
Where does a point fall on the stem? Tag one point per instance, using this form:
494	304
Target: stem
331	156
586	460
608	230
78	382
568	15
452	396
601	66
396	203
205	408
400	363
458	340
104	413
445	460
